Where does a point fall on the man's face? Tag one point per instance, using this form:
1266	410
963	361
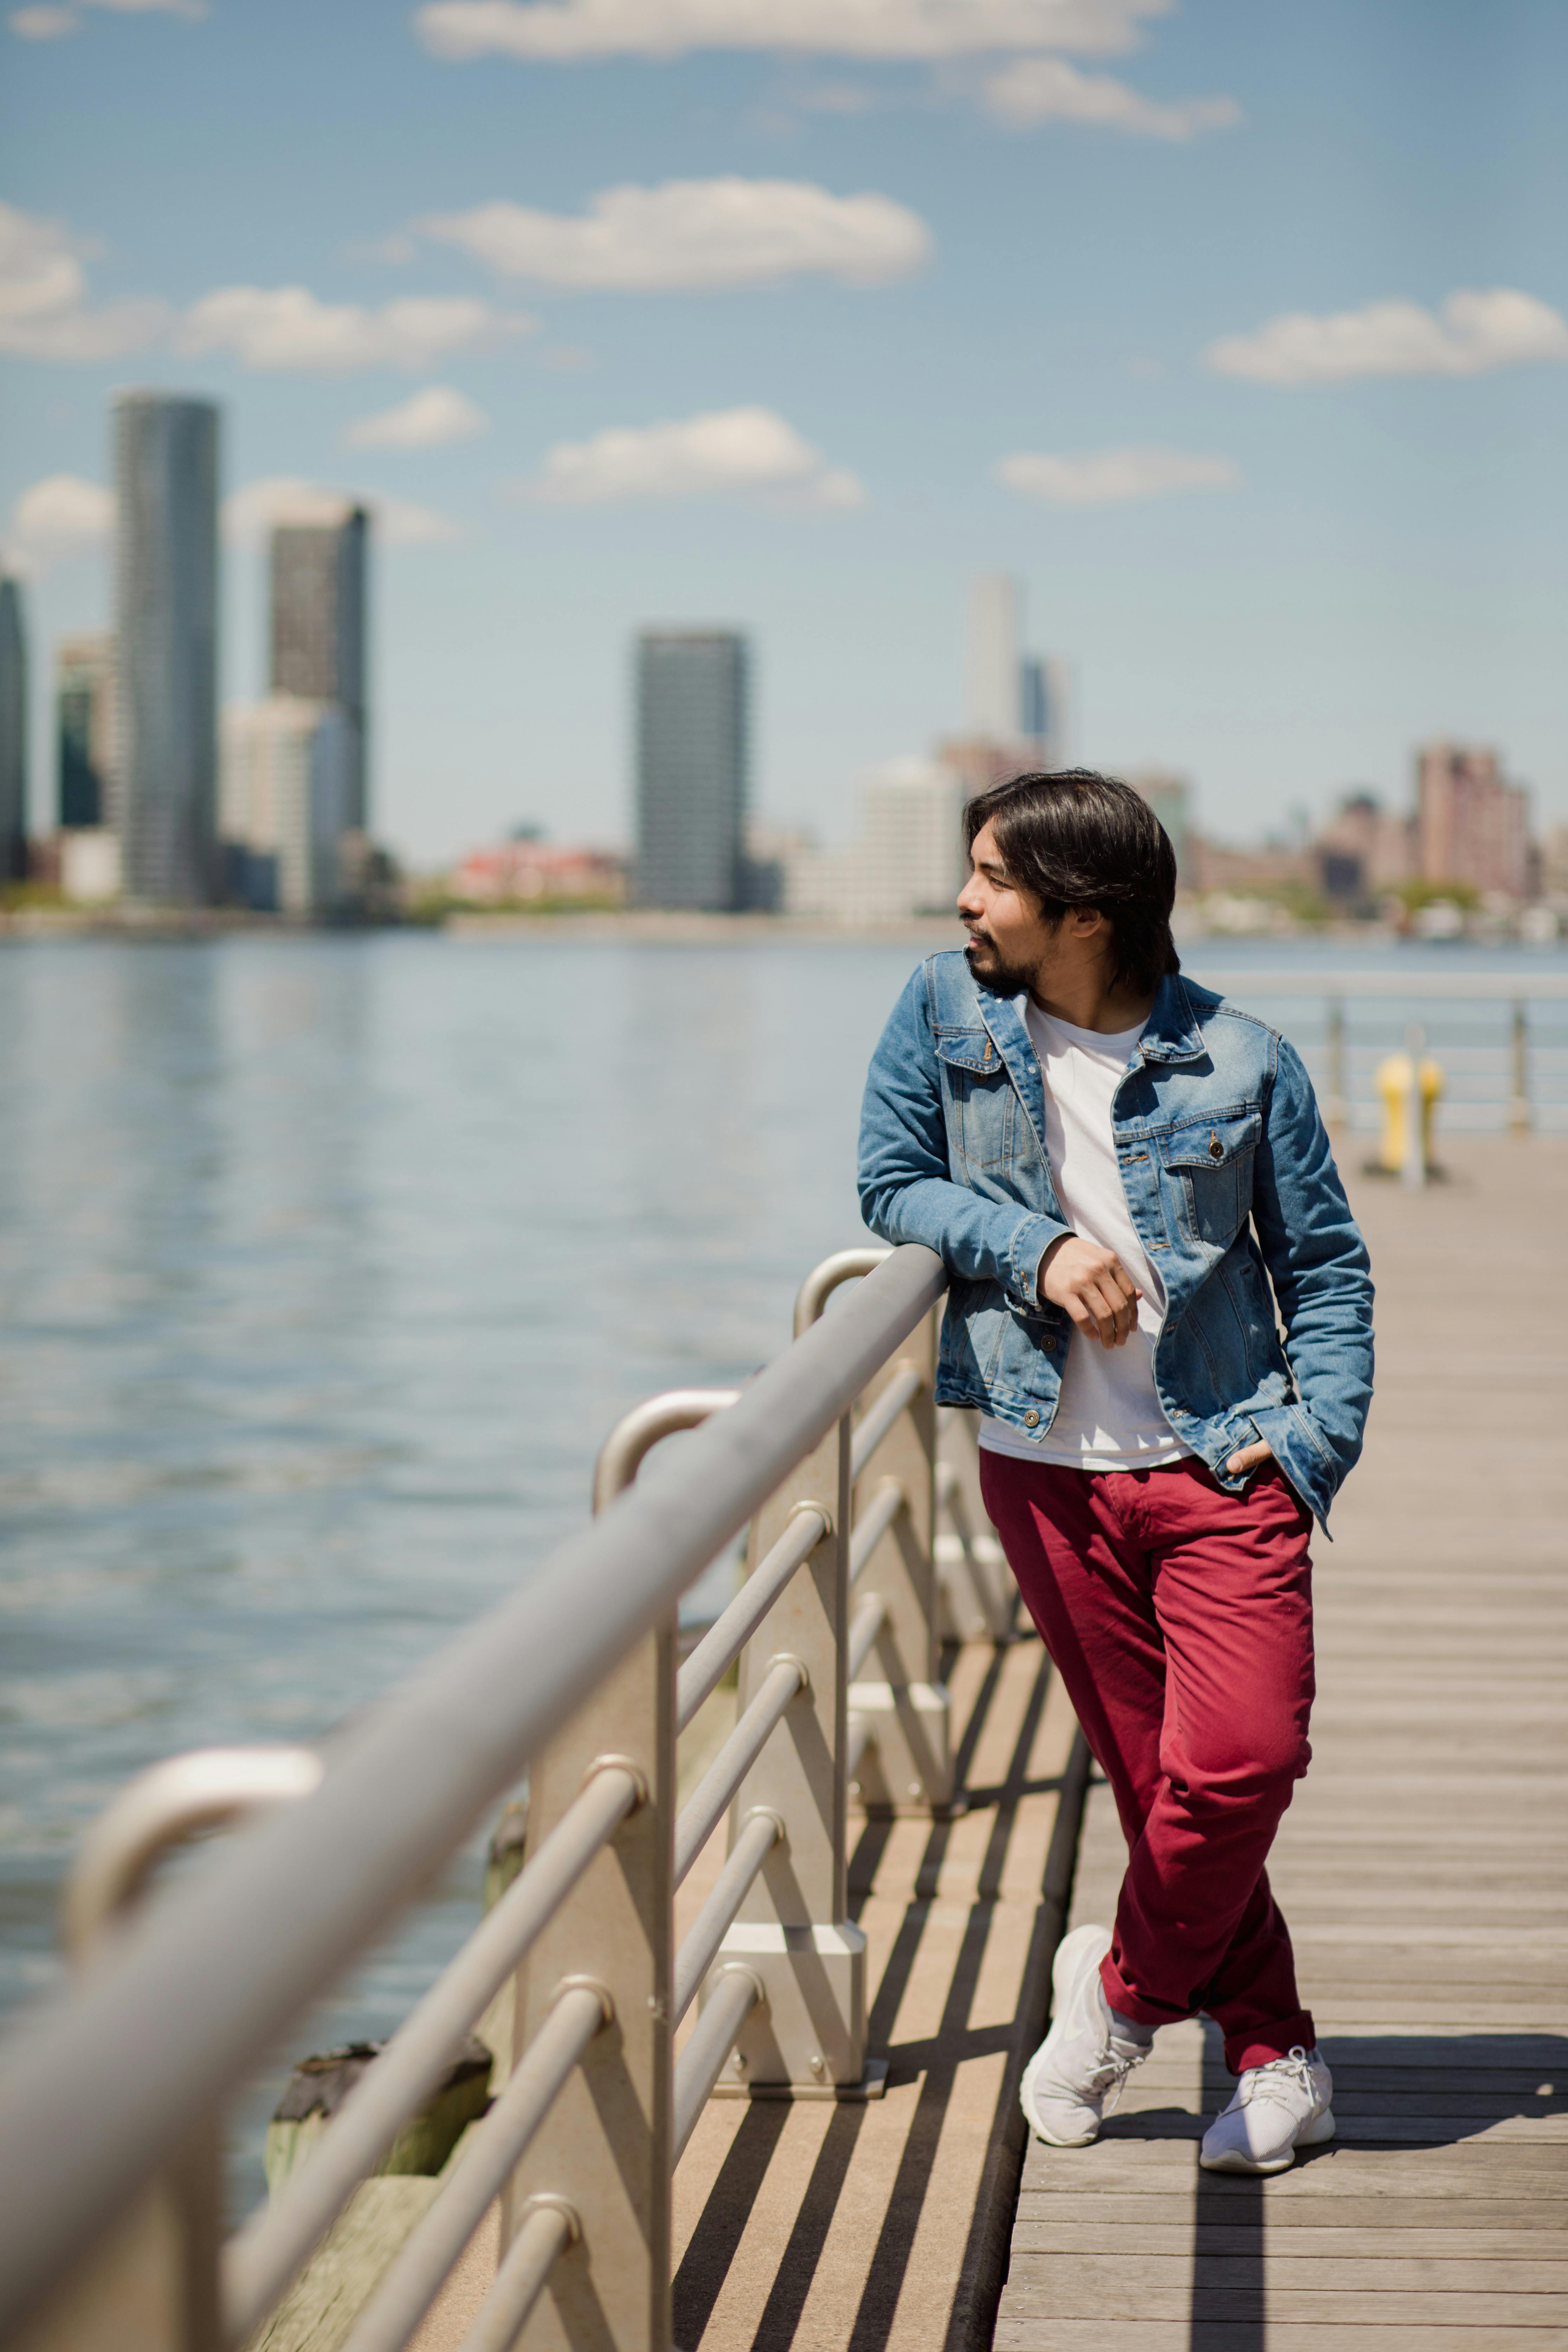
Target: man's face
1009	939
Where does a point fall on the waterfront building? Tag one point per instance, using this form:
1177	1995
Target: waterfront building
693	764
1471	825
319	612
167	603
907	861
85	697
286	778
13	734
1170	797
528	870
1363	852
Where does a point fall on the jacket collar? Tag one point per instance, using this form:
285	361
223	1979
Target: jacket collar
1172	1032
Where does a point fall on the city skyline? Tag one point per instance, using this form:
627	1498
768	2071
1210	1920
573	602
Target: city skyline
1239	341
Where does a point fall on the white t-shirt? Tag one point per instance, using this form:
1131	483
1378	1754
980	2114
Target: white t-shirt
1109	1417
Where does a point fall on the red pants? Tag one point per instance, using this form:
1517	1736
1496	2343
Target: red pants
1180	1618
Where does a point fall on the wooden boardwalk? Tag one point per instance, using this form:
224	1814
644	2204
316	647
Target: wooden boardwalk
1421	1867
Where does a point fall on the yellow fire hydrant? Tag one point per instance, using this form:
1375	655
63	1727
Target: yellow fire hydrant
1394	1077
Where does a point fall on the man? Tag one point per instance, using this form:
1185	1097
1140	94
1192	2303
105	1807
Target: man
1130	1185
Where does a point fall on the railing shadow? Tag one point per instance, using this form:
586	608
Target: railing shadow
716	2241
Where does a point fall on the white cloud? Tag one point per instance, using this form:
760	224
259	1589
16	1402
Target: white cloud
44	311
286	327
1113	477
58	517
1048	89
49	22
251	512
696	233
461	30
1469	333
746	450
428	420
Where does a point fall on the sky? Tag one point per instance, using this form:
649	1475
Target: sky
1238	330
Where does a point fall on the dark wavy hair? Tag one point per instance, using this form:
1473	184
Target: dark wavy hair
1079	839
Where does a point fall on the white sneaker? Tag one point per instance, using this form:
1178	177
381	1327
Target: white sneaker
1081	2065
1277	2109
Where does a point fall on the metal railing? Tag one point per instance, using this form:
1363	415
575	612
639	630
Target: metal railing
1516	1081
111	2095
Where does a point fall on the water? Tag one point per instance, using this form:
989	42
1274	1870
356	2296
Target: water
326	1264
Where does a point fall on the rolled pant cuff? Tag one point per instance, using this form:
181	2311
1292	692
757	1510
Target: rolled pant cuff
1142	2012
1260	2044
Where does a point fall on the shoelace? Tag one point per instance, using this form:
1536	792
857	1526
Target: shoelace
1110	2073
1277	2079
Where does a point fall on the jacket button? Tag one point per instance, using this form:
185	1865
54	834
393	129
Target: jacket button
1217	1149
1031	1421
1047	1347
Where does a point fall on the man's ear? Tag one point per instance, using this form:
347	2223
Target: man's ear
1085	921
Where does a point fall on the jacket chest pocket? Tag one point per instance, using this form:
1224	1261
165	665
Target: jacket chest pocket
1210	1165
981	1107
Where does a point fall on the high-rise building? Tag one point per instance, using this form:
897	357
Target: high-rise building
1471	825
1045	708
692	758
285	783
319	620
166	598
13	735
85	716
996	611
1170	797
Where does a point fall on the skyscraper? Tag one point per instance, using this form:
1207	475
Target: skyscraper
693	736
165	596
1044	708
85	715
13	735
995	601
319	611
284	784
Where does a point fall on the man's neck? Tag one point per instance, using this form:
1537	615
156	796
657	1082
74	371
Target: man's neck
1086	998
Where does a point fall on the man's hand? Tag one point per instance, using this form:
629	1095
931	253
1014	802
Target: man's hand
1251	1457
1094	1287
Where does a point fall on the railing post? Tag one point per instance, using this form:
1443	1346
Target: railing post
1334	1107
153	2285
605	2148
907	1766
1518	1102
793	1930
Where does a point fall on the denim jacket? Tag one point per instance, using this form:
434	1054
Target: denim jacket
1231	1187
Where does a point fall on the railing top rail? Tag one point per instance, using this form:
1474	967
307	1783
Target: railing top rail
1413	982
97	2090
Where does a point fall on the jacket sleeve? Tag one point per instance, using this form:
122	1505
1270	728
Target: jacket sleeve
1318	1264
905	1191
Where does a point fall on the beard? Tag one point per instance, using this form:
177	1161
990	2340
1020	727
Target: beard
1002	978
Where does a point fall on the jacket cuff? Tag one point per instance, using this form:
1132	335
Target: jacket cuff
1029	1245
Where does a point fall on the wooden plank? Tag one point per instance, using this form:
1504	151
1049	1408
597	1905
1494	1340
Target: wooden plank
1440	2217
1043	2334
1200	2239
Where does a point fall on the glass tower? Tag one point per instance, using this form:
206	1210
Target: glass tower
692	732
319	628
13	736
165	595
